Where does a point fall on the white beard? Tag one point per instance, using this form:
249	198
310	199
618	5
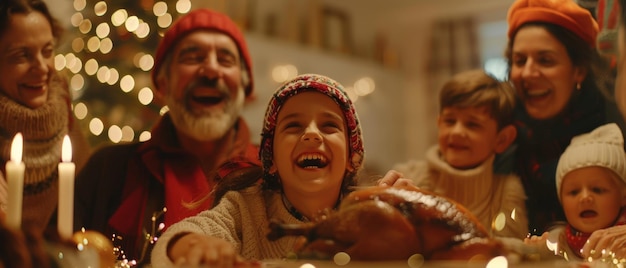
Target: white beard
208	126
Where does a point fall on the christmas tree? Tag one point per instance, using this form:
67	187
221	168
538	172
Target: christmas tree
108	60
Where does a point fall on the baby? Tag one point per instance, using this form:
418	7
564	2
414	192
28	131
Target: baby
591	186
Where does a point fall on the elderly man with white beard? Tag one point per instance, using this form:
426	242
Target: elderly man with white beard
203	73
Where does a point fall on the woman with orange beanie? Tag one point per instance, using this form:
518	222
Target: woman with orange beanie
559	79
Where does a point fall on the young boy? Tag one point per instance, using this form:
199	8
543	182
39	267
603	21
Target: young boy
474	124
591	185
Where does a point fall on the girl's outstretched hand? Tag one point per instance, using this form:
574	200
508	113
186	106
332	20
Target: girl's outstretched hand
197	250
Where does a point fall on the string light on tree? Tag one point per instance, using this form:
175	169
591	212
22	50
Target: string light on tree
108	62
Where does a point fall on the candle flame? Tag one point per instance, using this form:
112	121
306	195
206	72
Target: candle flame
66	150
16	148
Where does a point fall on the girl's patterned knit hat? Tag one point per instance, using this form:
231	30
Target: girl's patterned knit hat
321	84
602	147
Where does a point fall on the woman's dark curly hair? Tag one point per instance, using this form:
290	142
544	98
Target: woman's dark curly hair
8	8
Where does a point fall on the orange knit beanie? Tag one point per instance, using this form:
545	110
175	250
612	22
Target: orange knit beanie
565	13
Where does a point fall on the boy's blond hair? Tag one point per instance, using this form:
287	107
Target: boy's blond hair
476	88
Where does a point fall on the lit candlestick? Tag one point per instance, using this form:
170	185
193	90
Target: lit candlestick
15	181
65	223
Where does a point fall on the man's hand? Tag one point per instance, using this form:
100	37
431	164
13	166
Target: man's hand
606	243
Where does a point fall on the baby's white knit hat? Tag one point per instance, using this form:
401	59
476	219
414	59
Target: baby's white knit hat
603	147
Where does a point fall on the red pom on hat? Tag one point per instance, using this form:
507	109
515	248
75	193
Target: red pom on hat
564	13
202	19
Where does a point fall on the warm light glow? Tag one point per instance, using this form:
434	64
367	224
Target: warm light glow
364	86
103	74
159	8
69	59
128	134
119	17
552	246
106	45
96	126
144	136
80	111
79	5
341	258
143	30
17	147
76	19
416	261
100	8
127	83
77	82
103	30
75	64
85	26
513	214
91	67
498	262
351	94
499	222
145	96
137	58
164	110
59	62
183	6
114	75
66	150
115	133
282	73
93	44
146	62
78	44
307	265
165	20
132	23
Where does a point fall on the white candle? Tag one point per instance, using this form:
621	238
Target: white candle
65	223
15	181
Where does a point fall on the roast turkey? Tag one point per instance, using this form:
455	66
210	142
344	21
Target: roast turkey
394	223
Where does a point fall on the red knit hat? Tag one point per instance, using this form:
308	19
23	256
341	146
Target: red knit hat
202	19
564	13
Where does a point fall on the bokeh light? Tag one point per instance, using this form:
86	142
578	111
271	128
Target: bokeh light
144	136
100	8
115	134
96	126
159	8
145	96
79	5
119	17
498	262
127	83
80	110
183	6
165	20
282	73
416	261
341	258
364	86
